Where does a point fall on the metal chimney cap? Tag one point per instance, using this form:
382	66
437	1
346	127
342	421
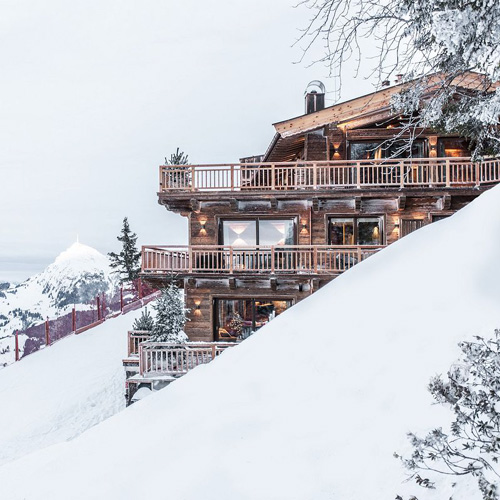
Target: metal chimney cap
315	83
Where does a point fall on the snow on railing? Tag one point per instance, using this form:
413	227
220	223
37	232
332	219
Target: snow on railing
393	172
163	358
315	259
135	337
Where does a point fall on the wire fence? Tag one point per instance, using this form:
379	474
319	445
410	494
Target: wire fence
83	317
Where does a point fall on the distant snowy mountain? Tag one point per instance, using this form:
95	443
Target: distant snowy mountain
75	278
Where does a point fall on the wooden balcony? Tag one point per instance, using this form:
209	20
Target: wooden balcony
159	359
327	175
228	260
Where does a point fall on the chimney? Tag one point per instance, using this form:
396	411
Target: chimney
315	97
399	79
386	83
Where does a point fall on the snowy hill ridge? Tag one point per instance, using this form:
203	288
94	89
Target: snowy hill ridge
315	404
76	276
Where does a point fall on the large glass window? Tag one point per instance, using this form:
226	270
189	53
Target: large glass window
355	231
265	232
237	319
364	150
453	147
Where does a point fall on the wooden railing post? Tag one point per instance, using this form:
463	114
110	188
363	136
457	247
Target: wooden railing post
358	175
448	173
315	259
401	175
478	174
213	351
141	360
232	177
273	177
231	257
315	173
73	319
47	332
359	254
17	345
190	260
272	259
193	178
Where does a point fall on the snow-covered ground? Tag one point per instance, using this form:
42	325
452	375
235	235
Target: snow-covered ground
57	393
312	406
75	278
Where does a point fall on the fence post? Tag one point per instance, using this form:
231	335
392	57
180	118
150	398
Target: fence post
98	303
139	288
47	332
121	299
103	306
73	319
17	345
213	351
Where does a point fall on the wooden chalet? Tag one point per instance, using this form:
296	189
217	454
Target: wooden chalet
334	187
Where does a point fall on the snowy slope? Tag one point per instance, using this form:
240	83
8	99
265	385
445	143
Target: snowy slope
57	393
76	277
314	405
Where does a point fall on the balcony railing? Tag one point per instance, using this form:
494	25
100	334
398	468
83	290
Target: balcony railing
161	358
396	173
309	259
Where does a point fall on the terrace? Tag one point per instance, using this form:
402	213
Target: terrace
229	260
395	173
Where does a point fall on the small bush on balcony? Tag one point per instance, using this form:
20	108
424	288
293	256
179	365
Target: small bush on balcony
178	173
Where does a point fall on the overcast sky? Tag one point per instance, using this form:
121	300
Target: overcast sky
94	95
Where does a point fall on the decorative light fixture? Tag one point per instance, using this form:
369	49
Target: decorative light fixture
197	308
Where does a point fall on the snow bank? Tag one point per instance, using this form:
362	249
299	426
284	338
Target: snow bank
57	393
315	404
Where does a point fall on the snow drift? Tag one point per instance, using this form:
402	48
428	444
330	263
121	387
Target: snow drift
314	405
57	393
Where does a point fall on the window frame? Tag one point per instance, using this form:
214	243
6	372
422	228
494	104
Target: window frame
257	219
381	217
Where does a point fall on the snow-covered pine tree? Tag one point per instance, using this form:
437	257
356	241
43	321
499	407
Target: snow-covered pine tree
145	322
170	317
127	262
434	44
471	446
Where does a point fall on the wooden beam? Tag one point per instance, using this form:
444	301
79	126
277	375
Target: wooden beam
401	202
446	202
232	283
274	284
315	205
195	205
234	204
274	203
357	203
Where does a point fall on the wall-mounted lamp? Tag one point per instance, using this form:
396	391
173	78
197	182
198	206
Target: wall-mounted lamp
202	225
336	149
303	226
197	308
396	225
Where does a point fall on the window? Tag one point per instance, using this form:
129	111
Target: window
453	147
237	319
355	231
260	231
438	217
364	150
410	225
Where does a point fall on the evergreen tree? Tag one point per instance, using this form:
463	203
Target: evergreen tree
179	175
170	317
145	322
127	262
